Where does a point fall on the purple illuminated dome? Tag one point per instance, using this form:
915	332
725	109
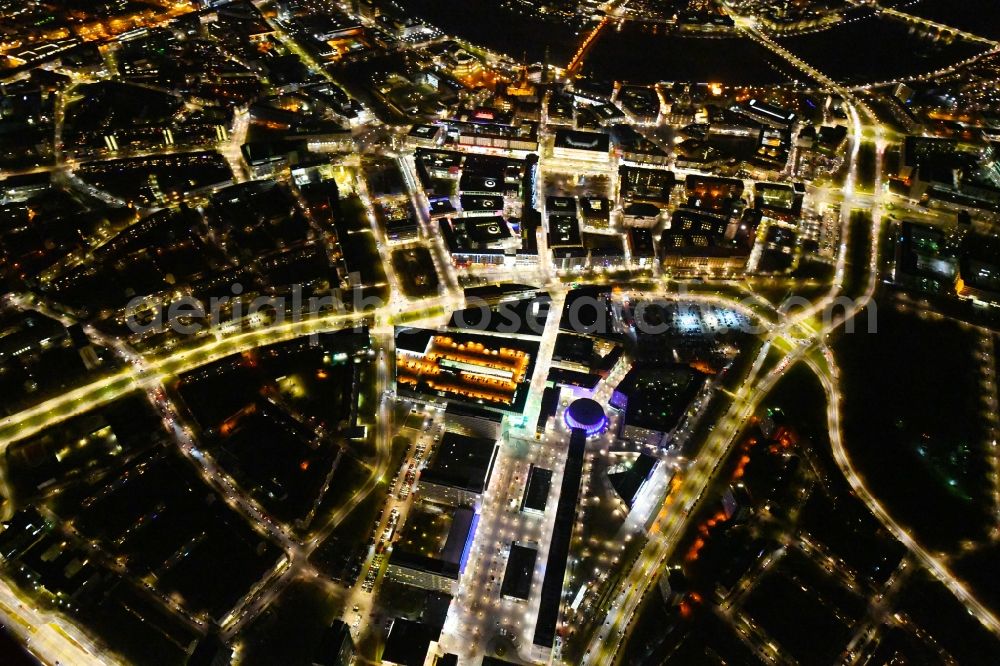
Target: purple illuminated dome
586	414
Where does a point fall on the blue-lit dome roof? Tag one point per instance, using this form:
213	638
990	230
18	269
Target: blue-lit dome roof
586	414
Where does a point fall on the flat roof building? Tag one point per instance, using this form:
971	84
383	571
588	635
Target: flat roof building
474	421
474	184
550	604
564	231
595	211
584	146
461	469
425	136
519	572
653	400
640	246
523	136
479	204
409	642
698	241
767	114
628	480
432	550
574	351
550	403
536	490
561	205
641	215
336	648
634	147
645	185
978	279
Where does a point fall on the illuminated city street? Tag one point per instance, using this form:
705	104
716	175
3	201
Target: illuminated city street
431	332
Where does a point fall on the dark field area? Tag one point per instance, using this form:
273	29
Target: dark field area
979	570
929	604
11	652
834	516
805	626
658	638
914	428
